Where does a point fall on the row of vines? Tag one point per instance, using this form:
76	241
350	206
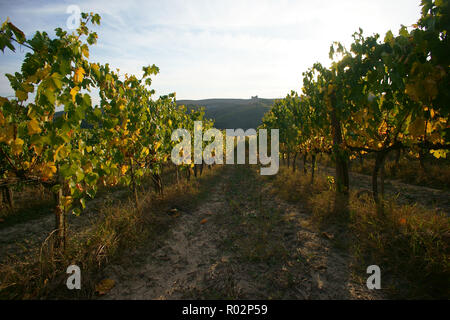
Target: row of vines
378	96
123	138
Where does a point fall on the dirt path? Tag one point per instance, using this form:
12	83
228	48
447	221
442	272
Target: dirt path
179	262
240	243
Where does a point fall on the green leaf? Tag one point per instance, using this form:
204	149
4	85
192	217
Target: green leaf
404	31
125	180
20	36
56	78
91	192
389	37
66	170
83	203
80	175
76	211
91	179
56	188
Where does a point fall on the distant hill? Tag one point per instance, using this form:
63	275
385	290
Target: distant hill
232	113
227	113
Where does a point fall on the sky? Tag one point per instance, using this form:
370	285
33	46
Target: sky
213	49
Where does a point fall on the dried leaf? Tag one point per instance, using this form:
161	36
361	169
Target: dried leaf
104	286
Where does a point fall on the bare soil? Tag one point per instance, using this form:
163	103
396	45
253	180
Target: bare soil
241	242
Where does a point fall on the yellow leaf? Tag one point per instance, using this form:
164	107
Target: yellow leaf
42	73
33	127
383	128
28	87
157	145
439	153
21	95
3	100
435	137
59	153
32	79
16	146
87	168
170	123
432	113
95	66
79	75
2	119
124	169
85	51
66	201
74	92
104	286
48	170
429	127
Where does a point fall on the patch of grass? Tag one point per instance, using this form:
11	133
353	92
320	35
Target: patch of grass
254	230
409	242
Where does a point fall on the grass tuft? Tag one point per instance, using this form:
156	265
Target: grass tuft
409	242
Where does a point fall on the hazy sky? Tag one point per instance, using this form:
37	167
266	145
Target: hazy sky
214	49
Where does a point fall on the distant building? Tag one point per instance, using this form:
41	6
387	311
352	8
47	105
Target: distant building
255	98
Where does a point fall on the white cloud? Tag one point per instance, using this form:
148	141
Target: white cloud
227	48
